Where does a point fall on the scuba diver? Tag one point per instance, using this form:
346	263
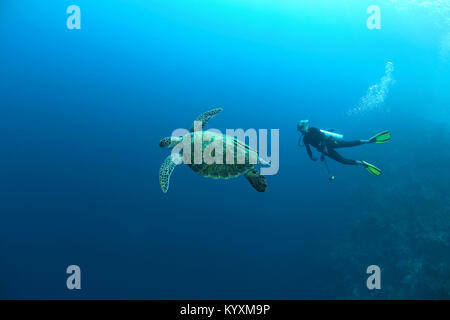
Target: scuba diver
327	141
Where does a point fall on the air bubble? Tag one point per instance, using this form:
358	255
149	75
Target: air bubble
376	94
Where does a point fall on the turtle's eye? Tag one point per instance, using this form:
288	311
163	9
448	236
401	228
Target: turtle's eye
170	142
165	143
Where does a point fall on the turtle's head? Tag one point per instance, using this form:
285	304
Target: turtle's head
170	142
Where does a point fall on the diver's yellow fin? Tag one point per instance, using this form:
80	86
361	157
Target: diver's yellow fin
381	137
371	168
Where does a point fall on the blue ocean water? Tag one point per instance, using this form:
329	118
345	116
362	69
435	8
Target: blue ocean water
82	112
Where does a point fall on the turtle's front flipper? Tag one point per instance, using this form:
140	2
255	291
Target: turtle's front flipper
166	170
205	117
257	181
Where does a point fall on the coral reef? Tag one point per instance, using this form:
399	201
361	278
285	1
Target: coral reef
402	226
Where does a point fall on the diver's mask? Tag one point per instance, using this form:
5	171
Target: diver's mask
303	126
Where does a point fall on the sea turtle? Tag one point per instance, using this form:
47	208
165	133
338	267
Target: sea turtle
242	159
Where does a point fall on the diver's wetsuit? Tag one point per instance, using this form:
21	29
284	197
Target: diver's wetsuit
326	145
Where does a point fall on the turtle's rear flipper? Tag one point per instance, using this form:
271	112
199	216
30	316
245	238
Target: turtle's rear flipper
257	181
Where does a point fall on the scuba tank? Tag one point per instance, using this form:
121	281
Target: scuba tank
333	135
